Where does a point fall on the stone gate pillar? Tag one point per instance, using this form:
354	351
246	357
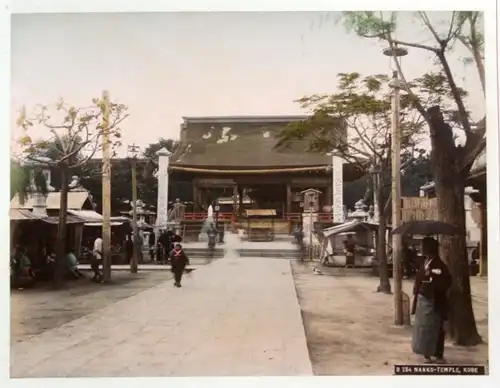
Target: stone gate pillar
337	189
162	204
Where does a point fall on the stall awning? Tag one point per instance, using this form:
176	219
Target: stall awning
350	226
22	215
99	223
27	215
69	220
87	215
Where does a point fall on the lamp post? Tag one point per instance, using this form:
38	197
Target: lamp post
132	153
106	191
396	52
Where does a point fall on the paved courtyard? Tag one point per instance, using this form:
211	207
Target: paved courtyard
234	317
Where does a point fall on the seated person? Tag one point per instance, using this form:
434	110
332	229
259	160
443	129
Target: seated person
72	265
21	272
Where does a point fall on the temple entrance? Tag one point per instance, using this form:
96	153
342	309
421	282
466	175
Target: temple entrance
269	196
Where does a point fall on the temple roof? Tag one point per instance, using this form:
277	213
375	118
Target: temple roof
241	141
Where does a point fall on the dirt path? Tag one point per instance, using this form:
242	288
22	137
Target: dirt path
349	327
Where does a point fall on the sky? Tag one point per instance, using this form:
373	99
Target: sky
167	65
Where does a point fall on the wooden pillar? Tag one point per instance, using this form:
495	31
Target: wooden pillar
235	199
78	229
13	229
483	245
240	205
328	195
288	199
196	202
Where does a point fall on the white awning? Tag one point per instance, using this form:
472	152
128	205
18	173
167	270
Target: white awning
99	224
87	215
350	226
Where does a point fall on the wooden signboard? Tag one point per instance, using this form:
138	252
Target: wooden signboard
418	208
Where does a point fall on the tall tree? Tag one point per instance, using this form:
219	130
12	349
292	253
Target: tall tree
362	109
74	136
451	161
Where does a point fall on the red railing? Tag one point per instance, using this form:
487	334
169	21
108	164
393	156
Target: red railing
203	216
327	217
229	216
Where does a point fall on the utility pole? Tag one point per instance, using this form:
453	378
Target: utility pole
396	202
106	191
134	150
396	52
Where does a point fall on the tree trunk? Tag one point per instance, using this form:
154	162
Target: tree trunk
61	231
449	183
383	270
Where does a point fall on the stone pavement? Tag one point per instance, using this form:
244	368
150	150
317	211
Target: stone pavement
232	318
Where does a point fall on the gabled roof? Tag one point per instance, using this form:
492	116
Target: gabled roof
27	215
241	141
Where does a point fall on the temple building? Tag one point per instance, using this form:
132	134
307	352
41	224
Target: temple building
236	157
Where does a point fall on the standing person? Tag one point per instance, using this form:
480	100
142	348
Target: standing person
430	305
212	236
152	245
178	260
97	259
165	242
408	259
129	249
350	251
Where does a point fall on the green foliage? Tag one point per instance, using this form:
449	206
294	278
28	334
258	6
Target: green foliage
355	122
76	134
463	27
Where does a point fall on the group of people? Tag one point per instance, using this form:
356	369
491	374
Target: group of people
25	271
160	250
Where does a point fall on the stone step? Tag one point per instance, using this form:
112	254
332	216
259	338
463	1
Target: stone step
274	253
204	252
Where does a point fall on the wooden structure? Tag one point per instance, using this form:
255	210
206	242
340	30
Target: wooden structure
238	156
260	224
418	208
35	232
81	209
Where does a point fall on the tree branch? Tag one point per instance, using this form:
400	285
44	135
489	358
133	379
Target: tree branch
415	45
427	22
463	116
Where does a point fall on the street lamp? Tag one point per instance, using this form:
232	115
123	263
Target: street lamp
396	52
133	152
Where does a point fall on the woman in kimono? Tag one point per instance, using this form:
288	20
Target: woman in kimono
430	305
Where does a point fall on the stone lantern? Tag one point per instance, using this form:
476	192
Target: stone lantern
39	198
359	212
